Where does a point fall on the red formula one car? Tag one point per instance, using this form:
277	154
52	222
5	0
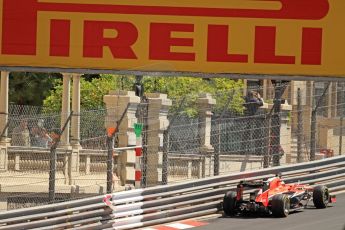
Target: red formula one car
273	196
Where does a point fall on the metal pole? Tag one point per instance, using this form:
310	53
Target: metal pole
145	108
276	124
110	163
313	135
217	153
52	161
341	134
166	140
52	176
165	163
313	123
110	147
299	126
216	162
267	142
342	120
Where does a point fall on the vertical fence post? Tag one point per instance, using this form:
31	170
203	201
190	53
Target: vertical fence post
138	128
52	161
341	134
218	150
112	131
166	141
267	142
276	124
299	126
165	163
313	122
342	113
144	121
313	135
110	159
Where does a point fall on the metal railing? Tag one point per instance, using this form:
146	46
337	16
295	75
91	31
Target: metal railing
156	205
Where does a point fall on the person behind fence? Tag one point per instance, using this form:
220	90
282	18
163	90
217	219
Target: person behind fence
21	134
40	135
253	127
253	102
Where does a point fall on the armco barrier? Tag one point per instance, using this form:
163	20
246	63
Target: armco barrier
146	207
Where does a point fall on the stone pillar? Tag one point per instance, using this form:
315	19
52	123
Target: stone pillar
158	106
65	111
75	129
4	142
116	103
4	101
205	103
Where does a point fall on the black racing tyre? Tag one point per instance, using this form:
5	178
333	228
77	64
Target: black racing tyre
320	196
229	203
280	205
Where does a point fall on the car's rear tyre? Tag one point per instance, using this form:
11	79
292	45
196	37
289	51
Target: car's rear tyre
320	196
229	203
280	205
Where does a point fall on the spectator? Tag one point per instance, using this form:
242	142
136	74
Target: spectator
21	134
252	133
41	137
253	101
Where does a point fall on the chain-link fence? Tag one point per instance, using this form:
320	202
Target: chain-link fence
184	140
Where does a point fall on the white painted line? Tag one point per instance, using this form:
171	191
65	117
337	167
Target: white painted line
179	226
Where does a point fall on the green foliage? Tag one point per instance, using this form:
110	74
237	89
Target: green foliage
31	88
91	93
179	89
227	92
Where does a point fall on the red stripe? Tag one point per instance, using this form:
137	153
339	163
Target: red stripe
165	228
138	152
291	9
137	175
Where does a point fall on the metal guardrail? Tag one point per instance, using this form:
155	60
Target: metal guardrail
146	207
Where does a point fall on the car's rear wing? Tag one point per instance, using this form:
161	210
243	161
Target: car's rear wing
251	184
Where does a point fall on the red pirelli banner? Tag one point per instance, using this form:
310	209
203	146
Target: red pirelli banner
288	37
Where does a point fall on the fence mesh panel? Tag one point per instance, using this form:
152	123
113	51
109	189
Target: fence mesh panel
185	146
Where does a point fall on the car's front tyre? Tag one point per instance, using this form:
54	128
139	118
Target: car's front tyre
280	205
321	196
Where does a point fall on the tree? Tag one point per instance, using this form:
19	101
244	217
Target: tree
177	89
91	92
23	87
189	88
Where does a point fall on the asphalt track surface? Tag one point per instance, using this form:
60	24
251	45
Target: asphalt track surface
331	218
